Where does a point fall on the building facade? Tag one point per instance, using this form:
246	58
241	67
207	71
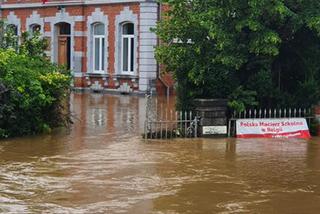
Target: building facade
107	44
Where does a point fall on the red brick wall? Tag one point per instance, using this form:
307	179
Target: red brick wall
80	42
31	1
166	77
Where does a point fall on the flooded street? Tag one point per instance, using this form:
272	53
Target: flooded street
102	165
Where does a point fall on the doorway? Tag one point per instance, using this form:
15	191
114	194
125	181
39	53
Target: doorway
63	41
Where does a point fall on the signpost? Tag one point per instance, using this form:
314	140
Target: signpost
273	128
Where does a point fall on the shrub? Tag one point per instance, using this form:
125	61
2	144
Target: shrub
33	91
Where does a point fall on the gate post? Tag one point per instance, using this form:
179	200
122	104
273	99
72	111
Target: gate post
213	113
317	116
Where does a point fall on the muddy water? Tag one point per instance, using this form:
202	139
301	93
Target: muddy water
102	166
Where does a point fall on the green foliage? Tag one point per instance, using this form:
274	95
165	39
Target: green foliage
270	47
32	89
240	99
33	45
8	37
313	127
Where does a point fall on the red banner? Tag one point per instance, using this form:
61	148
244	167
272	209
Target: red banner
273	128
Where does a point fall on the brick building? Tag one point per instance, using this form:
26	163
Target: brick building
107	44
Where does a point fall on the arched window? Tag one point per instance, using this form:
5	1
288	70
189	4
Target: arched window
14	41
98	47
127	48
13	28
35	28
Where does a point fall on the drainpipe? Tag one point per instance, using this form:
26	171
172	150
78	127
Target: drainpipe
158	41
158	65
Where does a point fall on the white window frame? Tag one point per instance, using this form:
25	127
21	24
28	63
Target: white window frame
14	20
130	43
130	53
102	59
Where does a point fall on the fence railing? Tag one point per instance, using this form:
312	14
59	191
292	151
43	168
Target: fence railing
268	114
163	122
273	113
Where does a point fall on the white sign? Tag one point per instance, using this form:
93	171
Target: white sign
212	130
273	128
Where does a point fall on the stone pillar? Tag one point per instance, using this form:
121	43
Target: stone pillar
147	43
213	113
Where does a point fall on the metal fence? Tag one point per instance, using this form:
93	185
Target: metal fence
163	122
268	114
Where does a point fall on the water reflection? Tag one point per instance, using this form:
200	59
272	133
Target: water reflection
103	166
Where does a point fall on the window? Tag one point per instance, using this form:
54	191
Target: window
35	28
98	47
127	48
13	29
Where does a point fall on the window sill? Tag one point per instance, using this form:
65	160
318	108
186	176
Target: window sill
126	76
93	74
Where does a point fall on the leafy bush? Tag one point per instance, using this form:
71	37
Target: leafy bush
33	91
240	99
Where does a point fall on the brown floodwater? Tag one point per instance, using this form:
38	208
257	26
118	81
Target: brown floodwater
102	165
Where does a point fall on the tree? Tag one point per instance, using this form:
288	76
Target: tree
268	49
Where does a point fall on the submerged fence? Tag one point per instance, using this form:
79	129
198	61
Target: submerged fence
163	122
268	114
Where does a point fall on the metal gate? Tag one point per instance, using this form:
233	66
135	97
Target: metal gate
164	122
